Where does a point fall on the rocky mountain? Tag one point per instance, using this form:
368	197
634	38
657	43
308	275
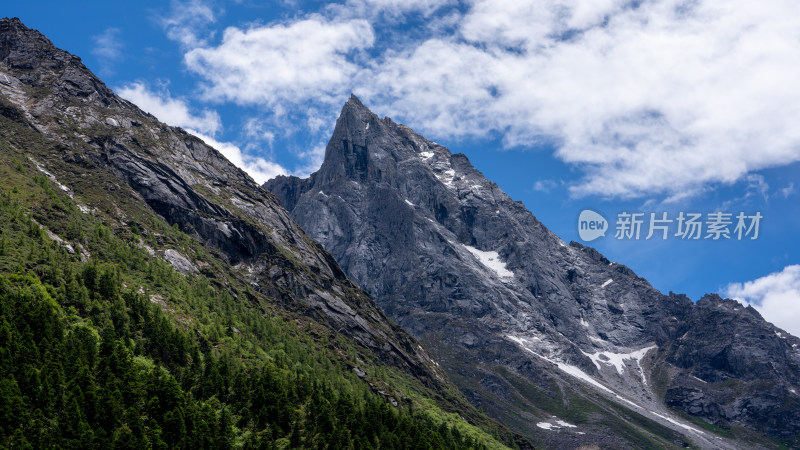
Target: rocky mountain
552	339
135	201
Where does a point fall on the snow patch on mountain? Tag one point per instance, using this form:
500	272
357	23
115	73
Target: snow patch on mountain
564	367
618	359
492	261
555	424
581	375
446	177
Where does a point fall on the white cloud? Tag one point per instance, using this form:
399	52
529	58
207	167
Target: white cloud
107	44
187	21
313	160
254	128
259	168
259	133
757	185
282	64
439	86
108	48
788	190
393	9
544	185
776	296
661	97
170	110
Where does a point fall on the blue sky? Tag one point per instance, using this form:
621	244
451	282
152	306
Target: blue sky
615	106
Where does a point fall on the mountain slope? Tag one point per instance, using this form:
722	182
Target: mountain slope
531	327
256	306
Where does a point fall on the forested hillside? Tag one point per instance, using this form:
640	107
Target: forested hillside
104	344
90	354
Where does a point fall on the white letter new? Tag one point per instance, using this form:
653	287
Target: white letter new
591	225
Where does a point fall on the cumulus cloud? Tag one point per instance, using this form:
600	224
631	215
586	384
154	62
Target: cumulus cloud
170	110
258	168
442	87
662	97
276	65
776	296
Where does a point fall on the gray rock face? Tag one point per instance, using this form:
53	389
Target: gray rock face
747	369
193	187
527	325
179	262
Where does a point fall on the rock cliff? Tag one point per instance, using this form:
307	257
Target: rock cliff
530	326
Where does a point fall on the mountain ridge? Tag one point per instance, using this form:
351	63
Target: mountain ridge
469	271
167	188
236	280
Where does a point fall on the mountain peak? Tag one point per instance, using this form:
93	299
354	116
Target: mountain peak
354	101
18	43
347	154
463	267
354	114
13	21
44	65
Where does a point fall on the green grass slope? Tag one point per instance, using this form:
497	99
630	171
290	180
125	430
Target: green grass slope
105	345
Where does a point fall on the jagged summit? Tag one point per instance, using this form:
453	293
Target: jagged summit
346	154
13	34
355	102
516	315
27	50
